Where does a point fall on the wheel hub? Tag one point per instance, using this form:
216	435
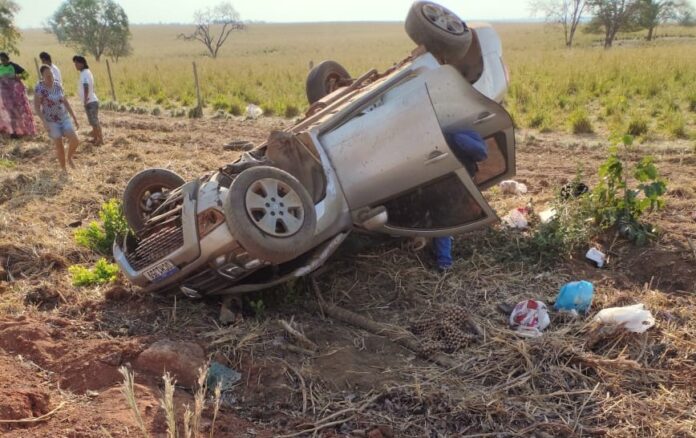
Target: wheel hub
443	19
274	207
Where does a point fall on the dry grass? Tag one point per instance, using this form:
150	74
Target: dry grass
574	381
267	65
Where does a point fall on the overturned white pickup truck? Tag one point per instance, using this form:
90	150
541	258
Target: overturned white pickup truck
371	153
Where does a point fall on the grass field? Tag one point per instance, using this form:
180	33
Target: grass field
646	89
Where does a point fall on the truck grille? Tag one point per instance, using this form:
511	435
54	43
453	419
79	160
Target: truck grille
156	246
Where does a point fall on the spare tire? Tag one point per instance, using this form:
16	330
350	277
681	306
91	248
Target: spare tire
270	214
145	192
440	30
324	79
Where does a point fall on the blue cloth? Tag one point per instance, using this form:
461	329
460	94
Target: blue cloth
468	145
469	148
442	246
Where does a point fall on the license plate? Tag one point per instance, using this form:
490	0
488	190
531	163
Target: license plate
161	271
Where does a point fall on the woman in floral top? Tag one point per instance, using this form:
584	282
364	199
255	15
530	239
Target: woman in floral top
53	108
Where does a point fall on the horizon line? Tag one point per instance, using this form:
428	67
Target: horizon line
252	22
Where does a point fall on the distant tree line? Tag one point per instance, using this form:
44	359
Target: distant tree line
609	17
9	35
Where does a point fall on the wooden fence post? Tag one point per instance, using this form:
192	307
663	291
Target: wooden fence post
199	108
38	71
111	81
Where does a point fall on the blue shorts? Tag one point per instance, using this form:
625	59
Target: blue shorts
60	129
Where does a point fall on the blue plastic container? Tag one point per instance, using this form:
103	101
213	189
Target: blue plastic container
576	295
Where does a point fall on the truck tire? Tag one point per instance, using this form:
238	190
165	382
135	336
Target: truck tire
270	214
145	192
437	28
324	79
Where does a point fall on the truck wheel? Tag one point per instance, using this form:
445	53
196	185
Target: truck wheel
438	29
271	214
324	79
145	192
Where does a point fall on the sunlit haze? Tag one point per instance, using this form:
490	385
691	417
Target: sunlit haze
34	13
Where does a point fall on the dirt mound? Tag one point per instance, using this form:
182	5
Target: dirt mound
82	363
21	395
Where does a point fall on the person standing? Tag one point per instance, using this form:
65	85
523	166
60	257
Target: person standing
46	60
85	89
15	113
53	109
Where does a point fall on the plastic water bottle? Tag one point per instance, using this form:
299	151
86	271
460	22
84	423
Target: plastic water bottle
576	295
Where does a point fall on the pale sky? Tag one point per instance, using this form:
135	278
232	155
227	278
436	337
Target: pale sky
34	13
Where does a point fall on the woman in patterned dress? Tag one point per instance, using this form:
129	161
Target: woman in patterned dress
53	108
15	114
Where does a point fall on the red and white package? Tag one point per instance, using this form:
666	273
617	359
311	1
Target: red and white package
529	318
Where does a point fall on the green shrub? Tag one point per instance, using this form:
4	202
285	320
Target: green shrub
291	111
235	109
220	104
537	120
692	103
102	273
6	164
617	201
268	110
100	236
580	123
637	127
676	125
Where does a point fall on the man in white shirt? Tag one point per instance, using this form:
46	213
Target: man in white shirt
46	60
85	90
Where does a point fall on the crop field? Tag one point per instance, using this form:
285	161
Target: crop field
376	343
646	89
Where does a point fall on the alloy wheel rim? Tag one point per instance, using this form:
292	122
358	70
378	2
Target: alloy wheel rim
274	207
443	19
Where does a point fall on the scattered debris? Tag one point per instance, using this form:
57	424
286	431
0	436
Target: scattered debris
547	215
416	244
253	111
513	187
219	374
574	189
597	256
302	339
529	318
451	330
517	218
575	297
181	359
633	318
239	145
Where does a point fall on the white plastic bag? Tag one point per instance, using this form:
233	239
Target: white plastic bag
634	318
517	219
253	111
513	187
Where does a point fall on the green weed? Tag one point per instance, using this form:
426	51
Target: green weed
102	273
622	202
637	127
6	164
580	123
100	236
